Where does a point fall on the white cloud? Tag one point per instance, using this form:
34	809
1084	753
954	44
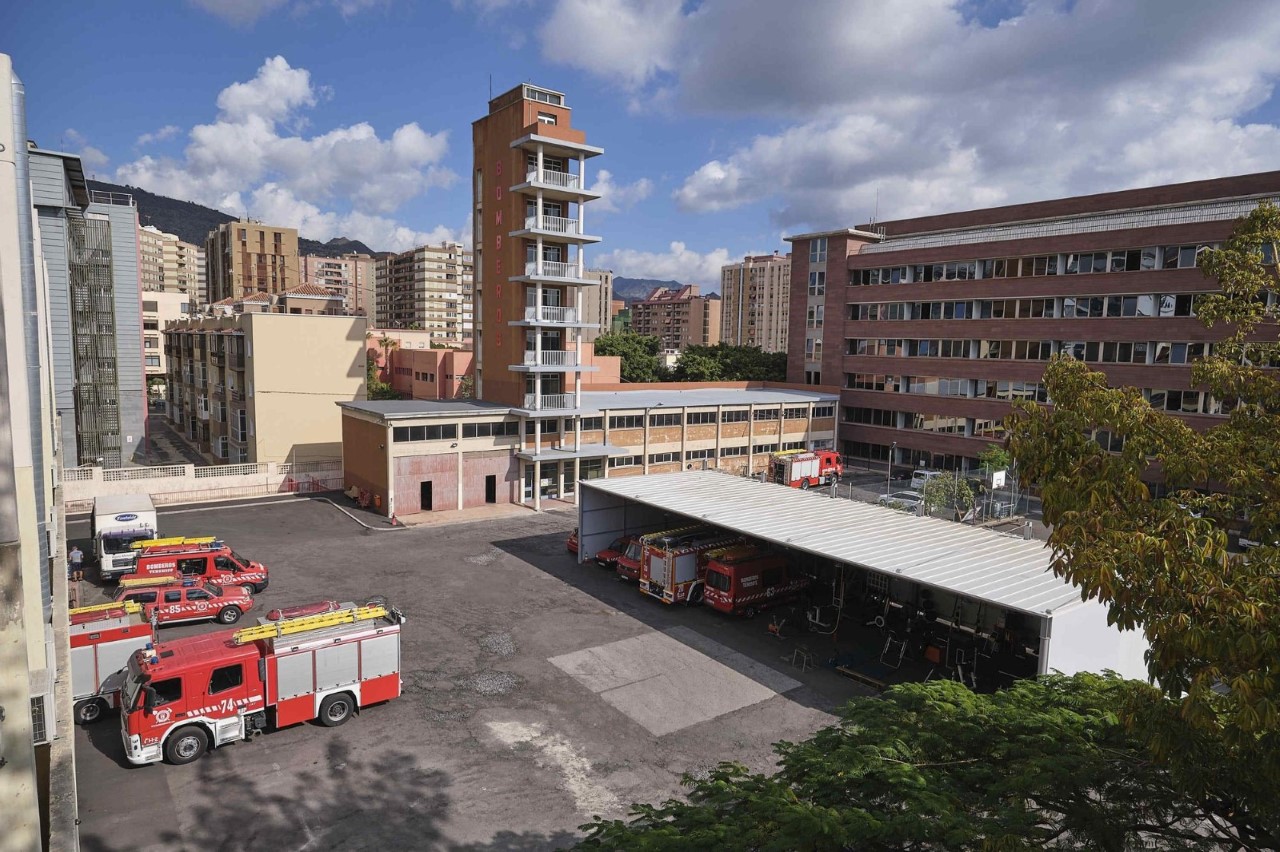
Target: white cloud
616	197
678	263
629	41
240	12
167	132
346	175
92	158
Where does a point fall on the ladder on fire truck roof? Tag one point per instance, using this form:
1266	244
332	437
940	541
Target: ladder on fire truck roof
127	606
303	623
654	536
172	542
135	582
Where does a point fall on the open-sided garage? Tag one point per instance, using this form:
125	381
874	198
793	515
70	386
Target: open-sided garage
951	595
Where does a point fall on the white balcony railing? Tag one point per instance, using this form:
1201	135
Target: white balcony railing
548	402
555	224
550	358
564	180
550	314
551	269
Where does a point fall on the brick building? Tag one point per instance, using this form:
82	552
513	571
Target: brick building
933	326
681	318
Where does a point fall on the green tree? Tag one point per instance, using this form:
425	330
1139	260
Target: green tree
934	766
467	387
639	353
948	492
1160	560
995	457
698	364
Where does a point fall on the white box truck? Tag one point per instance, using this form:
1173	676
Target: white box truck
118	521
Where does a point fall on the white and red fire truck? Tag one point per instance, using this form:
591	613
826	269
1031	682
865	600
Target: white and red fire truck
103	637
185	696
205	558
672	566
167	600
627	562
802	469
747	578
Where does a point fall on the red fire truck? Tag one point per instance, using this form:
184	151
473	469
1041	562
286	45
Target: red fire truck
608	558
801	469
672	567
627	563
183	697
166	600
747	578
103	637
204	558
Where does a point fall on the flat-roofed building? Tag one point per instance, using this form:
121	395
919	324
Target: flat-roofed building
679	317
755	302
350	277
428	288
246	257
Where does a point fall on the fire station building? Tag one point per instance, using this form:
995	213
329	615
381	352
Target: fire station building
414	456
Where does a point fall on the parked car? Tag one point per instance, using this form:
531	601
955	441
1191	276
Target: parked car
920	478
904	500
571	543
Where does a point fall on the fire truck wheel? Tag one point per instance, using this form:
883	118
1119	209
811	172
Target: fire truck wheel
229	615
749	612
248	588
186	745
89	711
336	709
804	485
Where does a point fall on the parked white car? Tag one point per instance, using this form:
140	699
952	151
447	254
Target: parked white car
904	500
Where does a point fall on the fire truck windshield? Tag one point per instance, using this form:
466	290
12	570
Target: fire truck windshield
633	550
113	543
132	685
240	560
718	581
213	589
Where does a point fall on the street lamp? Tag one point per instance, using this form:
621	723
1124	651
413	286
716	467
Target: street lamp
888	477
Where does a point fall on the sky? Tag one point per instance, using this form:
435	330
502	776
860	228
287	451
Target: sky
726	124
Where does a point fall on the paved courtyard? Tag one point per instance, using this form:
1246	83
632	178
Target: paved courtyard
537	693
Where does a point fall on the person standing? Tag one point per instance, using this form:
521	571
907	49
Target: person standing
75	561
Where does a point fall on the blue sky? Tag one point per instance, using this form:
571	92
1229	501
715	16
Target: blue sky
726	123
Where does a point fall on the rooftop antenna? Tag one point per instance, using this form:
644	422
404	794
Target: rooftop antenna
875	217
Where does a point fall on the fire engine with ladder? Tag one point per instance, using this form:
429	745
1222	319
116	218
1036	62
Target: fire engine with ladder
672	567
802	469
322	661
103	638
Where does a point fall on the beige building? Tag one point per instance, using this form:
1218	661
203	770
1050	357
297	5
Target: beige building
681	318
597	303
427	288
247	257
151	242
168	265
158	310
755	301
261	387
352	277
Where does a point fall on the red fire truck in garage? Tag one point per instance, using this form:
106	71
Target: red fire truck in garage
627	563
801	469
672	566
747	578
186	696
103	637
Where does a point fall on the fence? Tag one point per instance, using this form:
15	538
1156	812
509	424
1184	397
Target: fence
185	483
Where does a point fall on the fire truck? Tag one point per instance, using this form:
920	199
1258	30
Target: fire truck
166	600
204	558
181	698
103	637
672	566
747	578
627	563
608	558
801	469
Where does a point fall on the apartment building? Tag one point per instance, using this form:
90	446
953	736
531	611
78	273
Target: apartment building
934	326
37	747
681	318
436	455
158	310
245	257
427	288
755	302
352	277
184	267
261	387
151	242
597	304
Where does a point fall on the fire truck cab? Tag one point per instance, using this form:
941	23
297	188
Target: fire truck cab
802	469
673	566
608	558
103	637
747	578
168	600
204	558
181	698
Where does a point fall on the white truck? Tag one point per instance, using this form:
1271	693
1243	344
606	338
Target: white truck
118	521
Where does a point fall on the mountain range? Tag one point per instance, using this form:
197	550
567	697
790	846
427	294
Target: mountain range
191	222
631	290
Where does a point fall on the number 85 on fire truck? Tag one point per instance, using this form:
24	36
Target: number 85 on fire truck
182	697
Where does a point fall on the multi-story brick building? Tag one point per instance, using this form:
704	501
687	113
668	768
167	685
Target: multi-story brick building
934	326
246	257
427	288
680	318
351	277
755	302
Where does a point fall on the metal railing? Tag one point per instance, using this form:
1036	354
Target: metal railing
550	358
564	180
127	474
550	314
549	402
551	269
555	224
